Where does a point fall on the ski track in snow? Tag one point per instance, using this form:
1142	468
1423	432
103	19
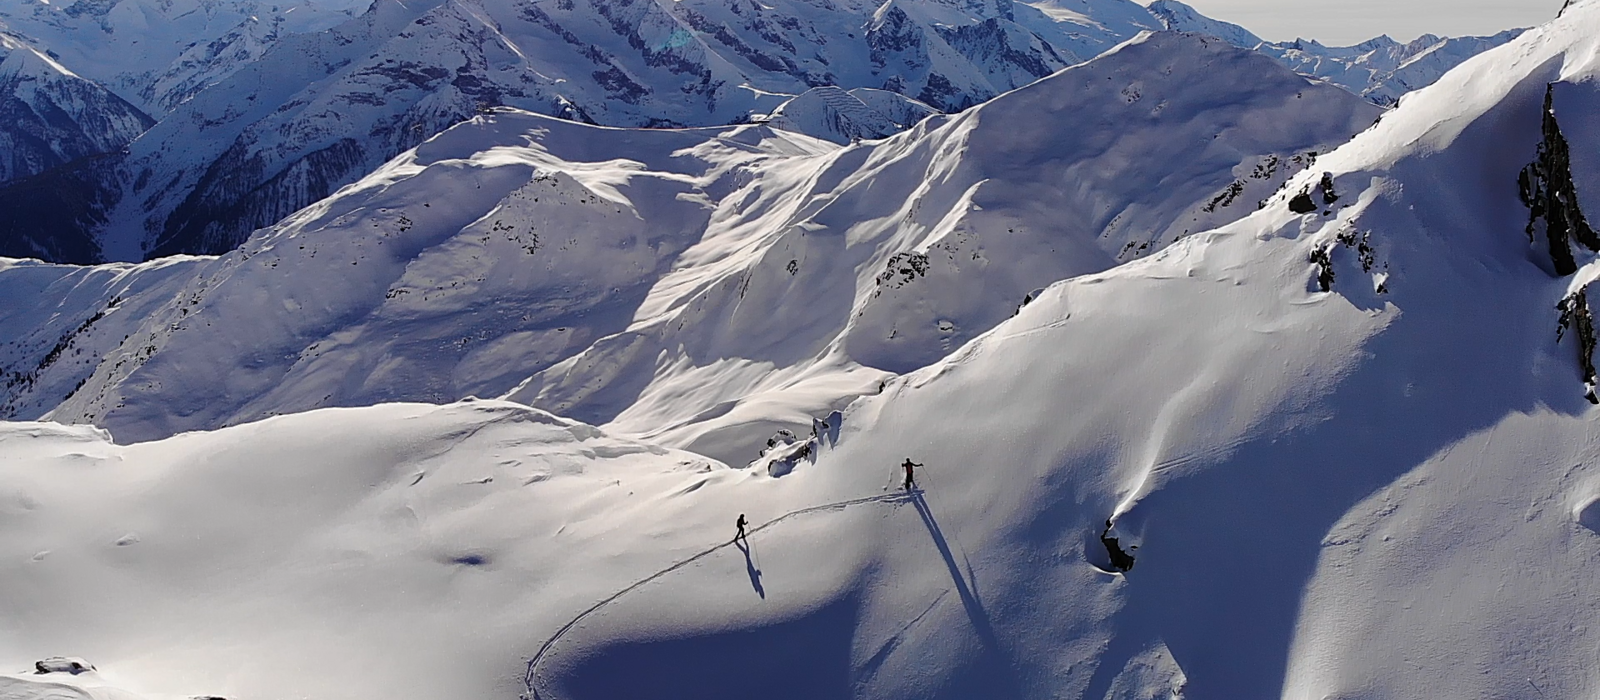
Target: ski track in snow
530	679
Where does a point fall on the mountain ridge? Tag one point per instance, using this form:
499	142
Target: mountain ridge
296	120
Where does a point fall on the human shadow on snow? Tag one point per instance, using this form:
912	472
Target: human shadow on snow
750	568
994	675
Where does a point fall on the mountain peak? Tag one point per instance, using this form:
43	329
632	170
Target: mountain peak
1180	17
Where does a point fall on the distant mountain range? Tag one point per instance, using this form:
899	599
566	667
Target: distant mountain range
1172	375
263	110
564	263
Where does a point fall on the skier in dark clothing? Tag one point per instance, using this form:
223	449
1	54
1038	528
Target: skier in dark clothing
741	523
911	480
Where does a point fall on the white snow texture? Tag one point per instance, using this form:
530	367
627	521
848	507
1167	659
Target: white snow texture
1223	383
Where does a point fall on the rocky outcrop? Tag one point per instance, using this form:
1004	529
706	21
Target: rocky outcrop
1546	188
1577	318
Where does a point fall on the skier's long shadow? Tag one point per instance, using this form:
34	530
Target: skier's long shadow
969	600
750	568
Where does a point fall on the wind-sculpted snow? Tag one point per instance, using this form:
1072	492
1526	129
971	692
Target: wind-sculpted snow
903	252
843	117
1339	436
707	287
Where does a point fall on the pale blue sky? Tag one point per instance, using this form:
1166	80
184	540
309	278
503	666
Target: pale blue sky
1352	21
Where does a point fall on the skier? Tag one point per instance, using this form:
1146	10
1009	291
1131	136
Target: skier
740	524
911	481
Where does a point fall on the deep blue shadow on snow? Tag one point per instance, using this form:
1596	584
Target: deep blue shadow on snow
990	675
1225	593
803	659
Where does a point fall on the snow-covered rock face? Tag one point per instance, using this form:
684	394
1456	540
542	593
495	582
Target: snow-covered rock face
303	114
50	116
842	117
1337	443
160	52
306	113
1177	16
614	276
265	114
1383	70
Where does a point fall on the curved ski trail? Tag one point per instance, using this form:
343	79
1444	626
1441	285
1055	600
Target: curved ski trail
528	679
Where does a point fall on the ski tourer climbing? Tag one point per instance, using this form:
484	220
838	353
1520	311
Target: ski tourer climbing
911	477
740	524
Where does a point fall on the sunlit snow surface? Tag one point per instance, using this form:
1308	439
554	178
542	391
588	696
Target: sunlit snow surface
700	288
1383	490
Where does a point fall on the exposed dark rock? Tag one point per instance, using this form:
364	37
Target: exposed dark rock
1227	196
988	40
50	121
1120	560
1302	203
902	269
62	664
1576	317
1324	262
233	199
1363	247
1546	188
1326	188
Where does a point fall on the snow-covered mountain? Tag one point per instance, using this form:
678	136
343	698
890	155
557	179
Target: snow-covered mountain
842	116
1340	447
1383	70
157	53
581	269
318	110
264	121
49	116
1177	16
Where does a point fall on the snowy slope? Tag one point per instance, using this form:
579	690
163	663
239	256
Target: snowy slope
157	53
1382	69
1343	446
841	116
316	111
1177	16
300	114
50	116
676	281
492	514
62	321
